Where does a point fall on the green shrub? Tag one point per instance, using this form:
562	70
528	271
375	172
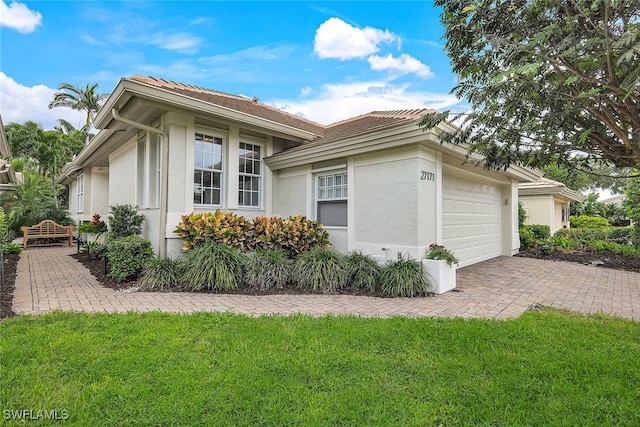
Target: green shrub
622	235
545	246
364	271
124	221
95	250
321	270
540	231
10	248
585	221
160	273
404	278
527	238
268	268
128	256
212	267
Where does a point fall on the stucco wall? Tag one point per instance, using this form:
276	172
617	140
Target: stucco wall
99	193
291	192
122	175
540	209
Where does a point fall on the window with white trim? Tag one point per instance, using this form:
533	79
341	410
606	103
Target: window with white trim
80	193
208	170
250	175
331	199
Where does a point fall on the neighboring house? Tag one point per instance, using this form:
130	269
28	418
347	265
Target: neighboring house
377	182
547	202
7	175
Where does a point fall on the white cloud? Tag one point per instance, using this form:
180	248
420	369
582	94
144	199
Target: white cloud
20	103
342	101
19	17
183	42
306	90
336	39
404	64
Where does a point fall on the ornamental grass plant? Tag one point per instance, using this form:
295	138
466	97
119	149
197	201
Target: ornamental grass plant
321	270
404	277
212	267
267	269
364	271
160	273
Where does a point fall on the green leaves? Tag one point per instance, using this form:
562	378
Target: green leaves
545	79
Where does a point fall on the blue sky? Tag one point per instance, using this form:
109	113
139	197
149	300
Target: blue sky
326	61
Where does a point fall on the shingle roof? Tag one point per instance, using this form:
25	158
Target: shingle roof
234	102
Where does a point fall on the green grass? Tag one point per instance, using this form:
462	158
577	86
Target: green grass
545	368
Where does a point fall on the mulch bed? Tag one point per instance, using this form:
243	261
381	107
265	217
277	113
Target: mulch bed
597	259
6	288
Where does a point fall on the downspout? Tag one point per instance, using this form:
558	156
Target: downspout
164	179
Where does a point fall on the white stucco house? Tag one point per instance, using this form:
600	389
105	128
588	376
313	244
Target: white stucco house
377	182
548	202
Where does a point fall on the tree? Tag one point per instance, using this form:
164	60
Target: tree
599	177
49	150
78	98
545	79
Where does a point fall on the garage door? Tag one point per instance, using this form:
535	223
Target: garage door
471	219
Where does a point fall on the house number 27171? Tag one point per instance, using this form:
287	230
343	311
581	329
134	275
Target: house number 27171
427	176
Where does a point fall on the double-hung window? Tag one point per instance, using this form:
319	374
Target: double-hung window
332	199
208	170
80	194
250	175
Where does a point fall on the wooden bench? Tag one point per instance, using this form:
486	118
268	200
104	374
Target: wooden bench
47	229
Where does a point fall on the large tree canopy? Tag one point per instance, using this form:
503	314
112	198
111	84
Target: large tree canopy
546	79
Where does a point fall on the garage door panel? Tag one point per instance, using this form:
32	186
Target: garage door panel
472	219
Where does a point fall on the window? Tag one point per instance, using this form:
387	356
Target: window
80	188
250	182
207	174
332	200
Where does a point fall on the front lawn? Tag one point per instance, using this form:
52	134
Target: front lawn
545	368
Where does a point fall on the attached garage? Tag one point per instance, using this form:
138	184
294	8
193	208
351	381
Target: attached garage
471	218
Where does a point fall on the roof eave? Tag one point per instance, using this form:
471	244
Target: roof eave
128	88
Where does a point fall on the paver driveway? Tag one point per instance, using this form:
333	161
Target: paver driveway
49	279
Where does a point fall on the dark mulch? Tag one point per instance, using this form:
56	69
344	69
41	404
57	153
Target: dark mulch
598	259
6	287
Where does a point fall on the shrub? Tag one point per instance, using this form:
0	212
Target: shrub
160	273
527	238
217	227
622	235
128	256
364	271
213	267
10	248
95	250
95	226
584	221
300	234
268	268
404	278
321	269
540	231
294	234
124	221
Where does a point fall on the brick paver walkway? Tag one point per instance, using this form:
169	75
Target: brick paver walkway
49	279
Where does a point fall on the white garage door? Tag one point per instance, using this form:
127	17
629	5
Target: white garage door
471	219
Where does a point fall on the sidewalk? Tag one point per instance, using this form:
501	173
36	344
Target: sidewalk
49	279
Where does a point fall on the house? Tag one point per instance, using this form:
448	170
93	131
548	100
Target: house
377	182
547	202
7	175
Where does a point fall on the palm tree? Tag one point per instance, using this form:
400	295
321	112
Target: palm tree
78	98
